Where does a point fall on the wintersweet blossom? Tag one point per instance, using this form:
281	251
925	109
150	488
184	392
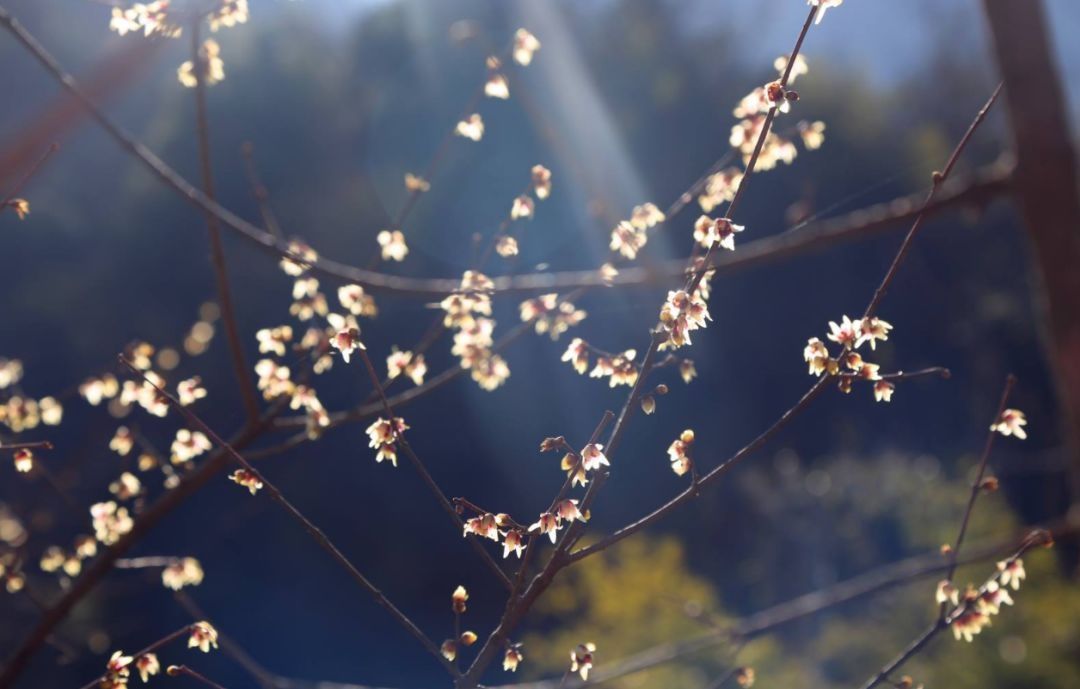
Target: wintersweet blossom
745	676
679	452
11	372
203	637
95	390
627	239
620	367
969	623
720	231
593	457
229	14
458	599
190	391
147	666
992	598
496	86
185	572
549	315
490	372
541	181
687	370
577	353
871	330
575	469
778	97
471	128
1011	573
816	356
210	60
188	445
646	216
21	207
883	391
274	340
24	460
512	658
506	246
116	670
448	649
822	6
52	559
525	46
581	659
681	314
416	184
126	486
406	363
383	435
110	521
247	479
548	523
798	68
275	380
568	510
393	245
347	341
523	208
812	134
1011	422
513	542
354	300
720	187
845	333
150	18
947	593
484	526
300	257
122	441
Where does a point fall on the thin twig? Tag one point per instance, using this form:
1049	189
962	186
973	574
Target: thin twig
53	148
429	480
259	191
176	670
217	250
186	629
976	486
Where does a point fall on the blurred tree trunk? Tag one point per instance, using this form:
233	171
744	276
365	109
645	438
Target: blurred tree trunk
1047	191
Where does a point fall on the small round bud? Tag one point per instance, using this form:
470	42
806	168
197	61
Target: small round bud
661	389
989	484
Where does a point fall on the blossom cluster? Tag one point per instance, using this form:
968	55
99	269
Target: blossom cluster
972	612
851	335
384	435
468	311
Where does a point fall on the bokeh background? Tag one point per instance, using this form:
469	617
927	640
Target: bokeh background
628	101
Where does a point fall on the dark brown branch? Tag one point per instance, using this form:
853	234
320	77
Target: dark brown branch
217	250
315	532
1047	192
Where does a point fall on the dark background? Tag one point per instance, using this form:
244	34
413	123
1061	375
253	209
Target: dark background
339	102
